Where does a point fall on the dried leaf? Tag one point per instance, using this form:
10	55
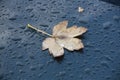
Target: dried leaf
62	37
70	43
54	48
80	9
73	31
59	28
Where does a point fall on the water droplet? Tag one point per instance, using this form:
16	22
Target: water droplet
55	12
107	77
84	19
29	9
108	58
12	18
21	71
42	9
30	0
69	63
43	25
1	76
2	47
116	18
104	63
19	63
39	75
61	73
20	56
11	72
87	70
107	25
41	66
15	38
22	27
33	67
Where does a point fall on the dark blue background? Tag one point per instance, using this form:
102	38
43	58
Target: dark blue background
21	57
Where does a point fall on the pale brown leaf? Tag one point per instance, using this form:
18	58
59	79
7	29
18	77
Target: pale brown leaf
74	31
54	49
62	37
80	9
70	43
59	27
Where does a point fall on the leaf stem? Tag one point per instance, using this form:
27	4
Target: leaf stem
38	30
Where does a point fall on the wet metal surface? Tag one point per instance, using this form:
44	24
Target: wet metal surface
21	56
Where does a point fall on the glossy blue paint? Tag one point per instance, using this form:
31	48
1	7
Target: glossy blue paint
21	57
